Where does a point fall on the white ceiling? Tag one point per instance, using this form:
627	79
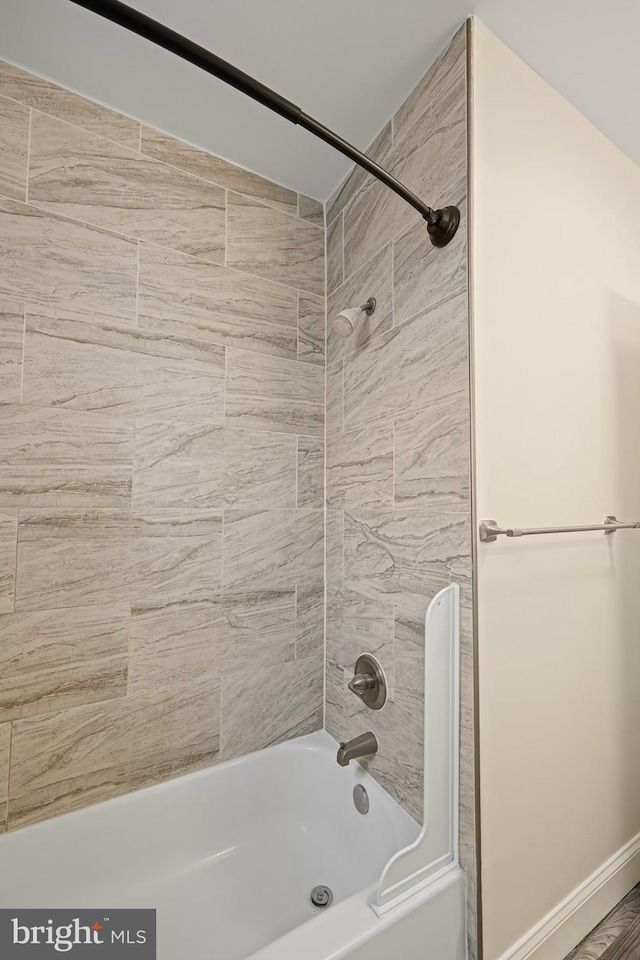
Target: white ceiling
349	63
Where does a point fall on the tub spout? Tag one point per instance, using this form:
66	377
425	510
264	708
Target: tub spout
362	746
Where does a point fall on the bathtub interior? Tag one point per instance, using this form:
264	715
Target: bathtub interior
228	856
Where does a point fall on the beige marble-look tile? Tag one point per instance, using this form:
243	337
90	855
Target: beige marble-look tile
311	210
276	704
14	149
8	541
5	749
423	274
199	464
359	179
446	71
173	643
86	365
309	622
409	367
70	265
334	700
335	553
11	344
351	632
76	558
271	244
311	472
273	549
209	167
335	399
374	279
85	177
42	95
187	297
432	454
311	333
403	553
431	159
55	659
270	393
335	253
87	754
360	466
64	458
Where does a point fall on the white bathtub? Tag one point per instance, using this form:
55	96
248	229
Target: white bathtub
228	857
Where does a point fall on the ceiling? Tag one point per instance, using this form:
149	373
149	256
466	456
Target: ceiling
349	64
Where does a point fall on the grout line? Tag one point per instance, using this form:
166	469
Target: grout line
297	507
298	326
15	563
26	195
344	261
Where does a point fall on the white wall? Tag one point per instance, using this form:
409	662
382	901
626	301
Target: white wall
556	308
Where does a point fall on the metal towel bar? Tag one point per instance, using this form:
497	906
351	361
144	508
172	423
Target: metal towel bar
490	530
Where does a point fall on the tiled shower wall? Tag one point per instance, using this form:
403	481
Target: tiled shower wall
398	434
161	455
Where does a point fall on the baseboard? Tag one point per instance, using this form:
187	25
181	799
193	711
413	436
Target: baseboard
565	926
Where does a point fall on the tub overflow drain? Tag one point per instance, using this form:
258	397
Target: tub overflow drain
321	896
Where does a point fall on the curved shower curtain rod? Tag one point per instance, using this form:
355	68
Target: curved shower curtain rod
441	224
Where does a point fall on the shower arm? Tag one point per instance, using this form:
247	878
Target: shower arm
441	224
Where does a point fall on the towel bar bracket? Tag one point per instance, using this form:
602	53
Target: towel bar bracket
490	530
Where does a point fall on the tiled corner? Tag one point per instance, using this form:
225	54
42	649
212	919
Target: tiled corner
311	329
311	210
8	542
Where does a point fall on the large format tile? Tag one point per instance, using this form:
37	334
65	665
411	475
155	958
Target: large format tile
173	643
360	466
187	297
270	393
311	472
273	549
359	179
432	454
309	621
335	253
59	457
74	558
424	274
430	159
448	70
335	399
403	553
14	149
11	343
72	266
5	745
88	754
375	279
205	165
409	367
54	659
8	540
199	464
272	244
90	365
268	707
85	177
42	95
311	324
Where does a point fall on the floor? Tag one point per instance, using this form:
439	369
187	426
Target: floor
617	937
